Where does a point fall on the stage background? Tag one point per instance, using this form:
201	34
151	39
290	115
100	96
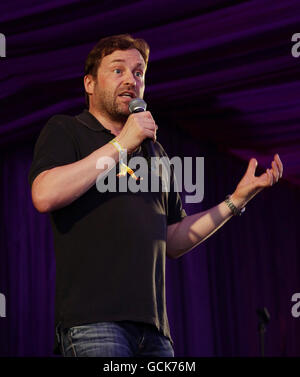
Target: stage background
222	84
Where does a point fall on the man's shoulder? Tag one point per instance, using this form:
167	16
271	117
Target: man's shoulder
60	123
62	119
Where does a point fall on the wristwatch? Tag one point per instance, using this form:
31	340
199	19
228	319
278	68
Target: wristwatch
233	208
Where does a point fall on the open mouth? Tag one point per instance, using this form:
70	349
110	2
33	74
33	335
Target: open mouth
126	94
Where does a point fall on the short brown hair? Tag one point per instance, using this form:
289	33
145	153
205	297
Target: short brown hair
107	46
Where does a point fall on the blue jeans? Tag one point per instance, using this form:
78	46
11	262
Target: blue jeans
115	339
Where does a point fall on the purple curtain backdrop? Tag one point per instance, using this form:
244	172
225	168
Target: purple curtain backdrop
222	83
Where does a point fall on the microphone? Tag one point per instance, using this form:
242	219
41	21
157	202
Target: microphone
138	105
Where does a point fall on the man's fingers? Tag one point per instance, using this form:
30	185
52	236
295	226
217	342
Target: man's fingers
150	126
270	177
252	166
147	114
275	171
279	164
150	134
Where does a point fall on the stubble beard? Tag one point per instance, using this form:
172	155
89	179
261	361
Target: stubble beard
108	104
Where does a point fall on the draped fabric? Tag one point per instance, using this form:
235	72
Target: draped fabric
221	83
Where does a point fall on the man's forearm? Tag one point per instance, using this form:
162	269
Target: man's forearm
194	229
60	186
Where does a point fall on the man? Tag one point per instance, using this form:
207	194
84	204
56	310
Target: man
111	247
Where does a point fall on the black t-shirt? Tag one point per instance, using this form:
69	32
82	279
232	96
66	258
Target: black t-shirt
110	247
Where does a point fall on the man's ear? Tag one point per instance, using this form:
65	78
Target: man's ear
89	83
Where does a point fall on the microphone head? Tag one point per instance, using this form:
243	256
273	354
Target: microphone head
137	105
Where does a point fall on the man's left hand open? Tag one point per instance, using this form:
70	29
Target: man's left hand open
250	185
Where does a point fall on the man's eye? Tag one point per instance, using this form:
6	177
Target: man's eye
139	74
117	70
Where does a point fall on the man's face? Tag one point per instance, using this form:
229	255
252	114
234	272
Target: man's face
120	78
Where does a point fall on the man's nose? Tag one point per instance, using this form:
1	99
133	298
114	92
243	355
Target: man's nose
129	79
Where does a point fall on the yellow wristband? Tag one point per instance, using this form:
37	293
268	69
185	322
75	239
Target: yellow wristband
117	145
123	167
